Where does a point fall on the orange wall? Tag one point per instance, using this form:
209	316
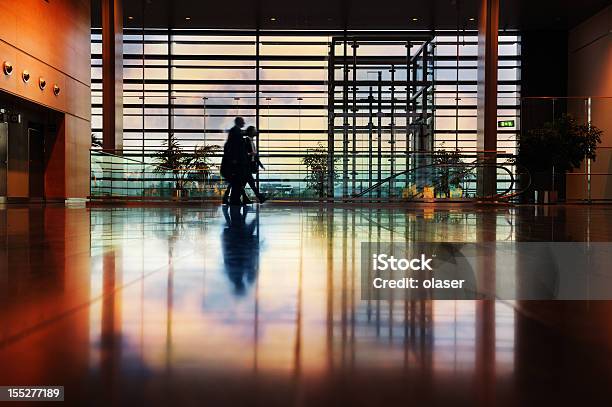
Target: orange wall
590	56
590	74
52	40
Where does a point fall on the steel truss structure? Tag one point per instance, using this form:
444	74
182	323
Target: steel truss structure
395	106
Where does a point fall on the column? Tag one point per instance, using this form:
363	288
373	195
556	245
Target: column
112	75
488	26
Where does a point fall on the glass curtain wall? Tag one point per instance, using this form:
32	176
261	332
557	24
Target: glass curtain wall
192	83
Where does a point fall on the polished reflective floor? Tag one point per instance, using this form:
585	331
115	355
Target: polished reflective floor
205	306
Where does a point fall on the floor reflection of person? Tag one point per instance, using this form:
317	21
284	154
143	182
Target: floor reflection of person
240	248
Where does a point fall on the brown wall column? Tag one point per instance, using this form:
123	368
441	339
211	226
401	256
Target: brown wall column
488	27
112	75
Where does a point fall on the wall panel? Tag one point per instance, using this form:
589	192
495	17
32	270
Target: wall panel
590	75
52	40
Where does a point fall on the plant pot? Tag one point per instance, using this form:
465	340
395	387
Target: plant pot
456	192
545	197
547	187
542	180
428	193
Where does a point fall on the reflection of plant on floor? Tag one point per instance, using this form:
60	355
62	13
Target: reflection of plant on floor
449	171
318	224
317	170
449	218
183	166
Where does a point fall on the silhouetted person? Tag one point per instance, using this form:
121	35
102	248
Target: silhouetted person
240	248
235	162
245	198
254	163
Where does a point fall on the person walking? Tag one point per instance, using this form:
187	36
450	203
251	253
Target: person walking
235	163
254	162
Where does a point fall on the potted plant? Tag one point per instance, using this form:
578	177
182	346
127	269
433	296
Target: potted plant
202	164
317	171
555	148
95	141
449	172
184	165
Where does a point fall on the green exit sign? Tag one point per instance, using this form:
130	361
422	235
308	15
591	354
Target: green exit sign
505	123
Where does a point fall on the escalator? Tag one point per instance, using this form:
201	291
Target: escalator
435	181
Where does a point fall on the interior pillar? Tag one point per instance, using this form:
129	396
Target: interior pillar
112	75
488	27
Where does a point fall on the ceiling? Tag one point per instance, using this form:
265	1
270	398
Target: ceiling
352	14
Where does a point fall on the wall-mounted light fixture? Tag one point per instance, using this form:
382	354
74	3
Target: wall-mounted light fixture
7	67
25	75
42	83
56	89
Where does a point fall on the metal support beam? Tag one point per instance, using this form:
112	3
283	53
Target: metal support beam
408	118
392	131
424	94
257	102
345	121
143	97
112	75
331	101
370	135
380	114
169	93
354	109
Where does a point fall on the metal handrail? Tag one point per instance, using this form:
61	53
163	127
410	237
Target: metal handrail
506	194
149	174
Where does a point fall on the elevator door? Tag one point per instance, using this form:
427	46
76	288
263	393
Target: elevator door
36	166
3	159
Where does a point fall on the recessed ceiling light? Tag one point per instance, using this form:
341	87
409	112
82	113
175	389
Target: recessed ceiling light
130	18
415	19
272	18
187	18
472	19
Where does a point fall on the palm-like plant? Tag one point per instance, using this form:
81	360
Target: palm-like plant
95	141
202	163
317	170
182	165
450	170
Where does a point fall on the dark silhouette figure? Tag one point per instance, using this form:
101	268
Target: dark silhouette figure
235	162
240	247
254	162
